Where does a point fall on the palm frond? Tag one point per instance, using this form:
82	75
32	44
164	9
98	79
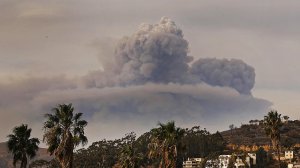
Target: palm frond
64	130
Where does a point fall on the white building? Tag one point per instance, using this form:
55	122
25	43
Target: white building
239	163
251	159
224	161
288	155
192	162
221	162
212	163
293	165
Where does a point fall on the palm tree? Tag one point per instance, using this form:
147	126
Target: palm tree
165	142
272	124
21	145
63	132
129	158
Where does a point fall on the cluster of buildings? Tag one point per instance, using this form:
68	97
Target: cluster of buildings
222	161
237	161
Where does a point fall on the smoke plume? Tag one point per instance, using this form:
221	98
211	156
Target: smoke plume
231	73
158	53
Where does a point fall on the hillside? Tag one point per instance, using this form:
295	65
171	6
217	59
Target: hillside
6	157
254	134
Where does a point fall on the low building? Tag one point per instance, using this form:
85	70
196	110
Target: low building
192	162
224	161
291	165
212	163
251	159
289	155
239	163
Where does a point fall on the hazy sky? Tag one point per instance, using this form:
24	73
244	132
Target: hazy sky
49	49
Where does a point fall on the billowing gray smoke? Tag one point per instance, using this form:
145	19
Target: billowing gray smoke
159	54
232	73
155	53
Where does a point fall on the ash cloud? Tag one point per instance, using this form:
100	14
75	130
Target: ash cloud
116	110
223	72
155	53
158	53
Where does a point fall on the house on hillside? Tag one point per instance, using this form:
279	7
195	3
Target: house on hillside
239	163
221	162
192	162
212	163
288	155
291	165
251	159
224	161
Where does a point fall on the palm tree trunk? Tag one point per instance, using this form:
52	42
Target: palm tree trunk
24	162
278	155
174	156
67	161
64	152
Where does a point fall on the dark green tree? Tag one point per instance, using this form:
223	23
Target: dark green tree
231	127
288	143
40	163
286	118
21	145
261	158
64	130
129	158
200	143
104	153
165	143
272	125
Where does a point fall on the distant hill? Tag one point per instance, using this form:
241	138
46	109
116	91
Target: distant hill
254	134
6	160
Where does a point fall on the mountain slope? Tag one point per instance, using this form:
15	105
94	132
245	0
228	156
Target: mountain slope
254	134
6	159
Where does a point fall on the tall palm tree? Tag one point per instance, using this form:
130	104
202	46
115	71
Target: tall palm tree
21	145
164	143
64	130
129	158
272	124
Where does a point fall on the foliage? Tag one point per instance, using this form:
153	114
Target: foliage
39	164
231	162
44	164
129	158
283	165
165	143
272	125
141	146
21	145
288	143
104	153
64	130
203	163
200	143
286	118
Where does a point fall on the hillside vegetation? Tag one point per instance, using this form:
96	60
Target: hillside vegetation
196	143
254	134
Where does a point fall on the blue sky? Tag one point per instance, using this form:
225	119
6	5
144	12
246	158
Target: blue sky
48	48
